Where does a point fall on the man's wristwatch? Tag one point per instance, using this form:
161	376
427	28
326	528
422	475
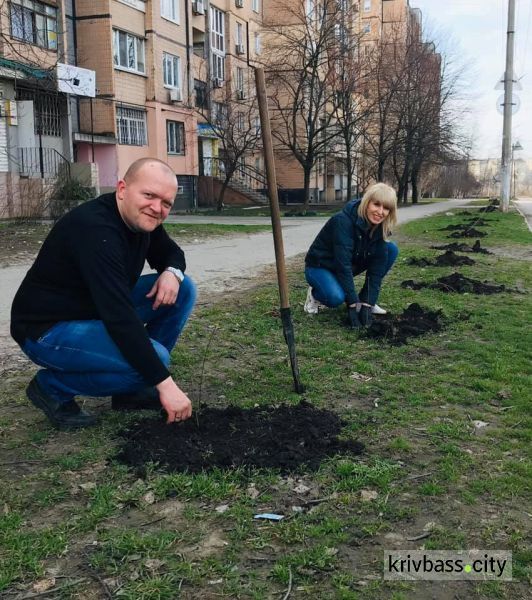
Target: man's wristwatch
177	272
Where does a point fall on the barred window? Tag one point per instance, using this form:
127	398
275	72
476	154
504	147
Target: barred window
47	111
175	137
34	22
128	51
131	126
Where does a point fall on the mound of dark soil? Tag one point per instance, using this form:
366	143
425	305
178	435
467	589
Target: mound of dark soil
456	247
459	227
449	259
413	322
456	283
287	438
468	233
490	208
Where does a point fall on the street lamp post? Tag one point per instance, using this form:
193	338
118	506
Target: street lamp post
517	146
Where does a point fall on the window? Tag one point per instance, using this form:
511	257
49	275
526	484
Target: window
258	47
256	123
239	34
240	79
240	121
219	113
128	51
255	5
367	5
200	89
171	71
170	10
367	28
131	126
175	137
217	43
35	23
48	110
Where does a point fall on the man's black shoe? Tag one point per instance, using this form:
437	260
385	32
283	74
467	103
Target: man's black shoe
62	415
145	399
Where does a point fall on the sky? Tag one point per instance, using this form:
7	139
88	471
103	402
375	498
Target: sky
475	31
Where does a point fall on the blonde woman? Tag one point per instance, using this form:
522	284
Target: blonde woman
353	241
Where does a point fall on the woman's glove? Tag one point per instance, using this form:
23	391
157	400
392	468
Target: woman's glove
352	317
364	316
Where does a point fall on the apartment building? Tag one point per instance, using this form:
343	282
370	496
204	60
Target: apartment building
159	67
35	135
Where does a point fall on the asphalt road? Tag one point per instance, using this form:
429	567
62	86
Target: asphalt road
222	264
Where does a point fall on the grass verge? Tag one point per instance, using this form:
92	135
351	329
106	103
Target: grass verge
445	420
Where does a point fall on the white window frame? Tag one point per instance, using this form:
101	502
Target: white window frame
239	79
255	5
135	49
131	128
258	45
175	132
170	10
34	22
239	34
217	43
171	71
367	5
136	4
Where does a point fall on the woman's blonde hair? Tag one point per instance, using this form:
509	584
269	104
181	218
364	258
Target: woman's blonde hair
386	195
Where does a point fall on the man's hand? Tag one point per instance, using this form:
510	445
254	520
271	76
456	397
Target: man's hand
175	402
165	290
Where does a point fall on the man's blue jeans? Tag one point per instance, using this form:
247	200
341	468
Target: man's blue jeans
325	286
80	358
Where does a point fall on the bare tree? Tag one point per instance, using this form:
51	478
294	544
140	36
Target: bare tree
299	77
232	113
352	106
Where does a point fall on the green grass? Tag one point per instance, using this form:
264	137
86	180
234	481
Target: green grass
204	230
151	534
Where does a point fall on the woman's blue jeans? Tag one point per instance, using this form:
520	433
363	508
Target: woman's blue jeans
80	358
325	286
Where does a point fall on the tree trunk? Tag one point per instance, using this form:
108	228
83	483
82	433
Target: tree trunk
306	188
415	191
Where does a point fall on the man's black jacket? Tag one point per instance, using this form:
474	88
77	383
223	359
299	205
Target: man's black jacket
86	269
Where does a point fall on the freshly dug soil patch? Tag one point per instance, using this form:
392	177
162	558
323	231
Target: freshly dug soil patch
457	283
490	208
459	227
287	438
413	322
456	247
468	233
449	259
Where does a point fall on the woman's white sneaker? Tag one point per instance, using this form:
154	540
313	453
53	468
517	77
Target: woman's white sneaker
311	304
377	310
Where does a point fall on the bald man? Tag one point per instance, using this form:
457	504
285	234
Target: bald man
86	315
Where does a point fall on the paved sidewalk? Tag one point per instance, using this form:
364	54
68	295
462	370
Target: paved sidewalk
524	206
223	264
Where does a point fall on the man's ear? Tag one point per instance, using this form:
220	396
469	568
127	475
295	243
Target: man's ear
120	189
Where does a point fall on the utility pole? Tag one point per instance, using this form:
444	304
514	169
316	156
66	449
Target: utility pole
506	166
